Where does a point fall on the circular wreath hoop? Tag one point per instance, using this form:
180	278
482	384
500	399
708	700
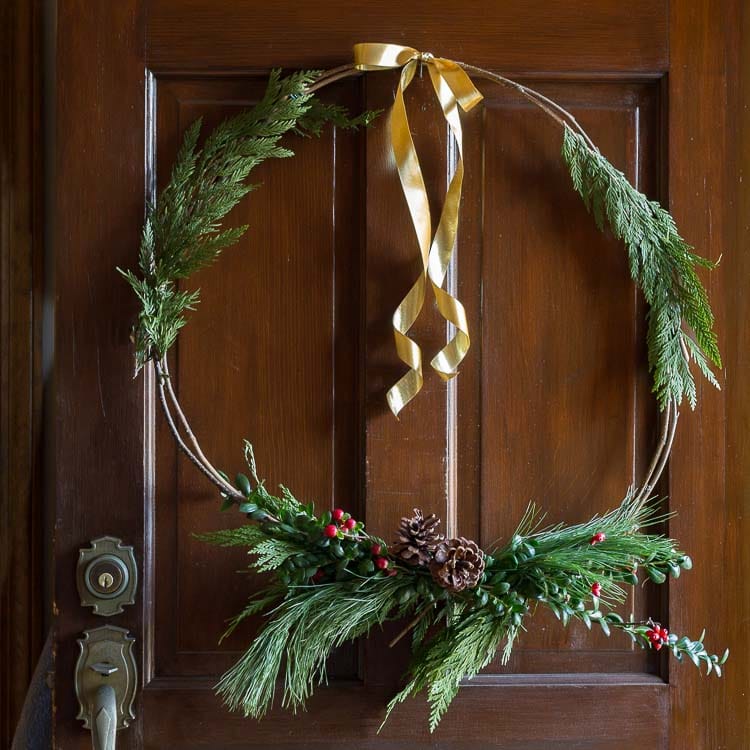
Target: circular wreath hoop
332	580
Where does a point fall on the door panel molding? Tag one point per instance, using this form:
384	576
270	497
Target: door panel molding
263	373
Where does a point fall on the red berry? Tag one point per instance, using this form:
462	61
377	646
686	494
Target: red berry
350	523
596	589
337	514
657	646
664	632
381	563
330	531
654	636
318	575
392	571
600	536
376	549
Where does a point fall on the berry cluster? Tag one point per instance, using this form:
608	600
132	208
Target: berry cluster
346	527
657	635
312	549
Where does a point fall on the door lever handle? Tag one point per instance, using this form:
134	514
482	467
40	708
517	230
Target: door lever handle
105	683
104	718
103	668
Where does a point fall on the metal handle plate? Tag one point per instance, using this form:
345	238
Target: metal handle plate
105	683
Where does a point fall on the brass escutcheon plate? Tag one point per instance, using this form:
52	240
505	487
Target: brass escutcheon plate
106	658
106	576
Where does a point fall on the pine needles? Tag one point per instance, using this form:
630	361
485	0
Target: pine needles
301	634
663	266
326	591
183	231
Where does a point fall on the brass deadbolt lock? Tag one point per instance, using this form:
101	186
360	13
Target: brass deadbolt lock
106	576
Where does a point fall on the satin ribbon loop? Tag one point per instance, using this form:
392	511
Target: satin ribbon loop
453	89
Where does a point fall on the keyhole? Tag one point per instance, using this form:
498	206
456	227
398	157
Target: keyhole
106	580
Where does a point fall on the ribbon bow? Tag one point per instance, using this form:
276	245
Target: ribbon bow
453	88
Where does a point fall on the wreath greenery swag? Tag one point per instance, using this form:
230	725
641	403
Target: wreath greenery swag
332	581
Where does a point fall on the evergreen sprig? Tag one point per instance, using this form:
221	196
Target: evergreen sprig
326	590
304	629
663	266
183	231
459	651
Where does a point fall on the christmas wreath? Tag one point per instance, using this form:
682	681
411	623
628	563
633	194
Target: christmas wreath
332	581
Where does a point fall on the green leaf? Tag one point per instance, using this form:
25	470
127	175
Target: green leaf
655	575
243	484
227	504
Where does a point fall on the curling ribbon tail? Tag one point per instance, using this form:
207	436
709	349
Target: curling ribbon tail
454	89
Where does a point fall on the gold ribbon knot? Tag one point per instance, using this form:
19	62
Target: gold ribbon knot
454	89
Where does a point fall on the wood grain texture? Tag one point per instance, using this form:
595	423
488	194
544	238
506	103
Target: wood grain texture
292	348
536	715
709	465
566	415
252	364
512	35
255	321
99	411
22	554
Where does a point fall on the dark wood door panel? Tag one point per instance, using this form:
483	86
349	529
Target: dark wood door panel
511	35
292	348
287	381
518	715
253	364
270	355
567	419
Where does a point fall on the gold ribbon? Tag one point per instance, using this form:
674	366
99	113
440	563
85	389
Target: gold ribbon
453	88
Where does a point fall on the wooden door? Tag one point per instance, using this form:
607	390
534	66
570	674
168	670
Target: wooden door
291	347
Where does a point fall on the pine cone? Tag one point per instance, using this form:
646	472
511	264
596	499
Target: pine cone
458	564
417	538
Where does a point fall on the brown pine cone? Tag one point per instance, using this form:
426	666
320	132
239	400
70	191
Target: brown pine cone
417	538
458	564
